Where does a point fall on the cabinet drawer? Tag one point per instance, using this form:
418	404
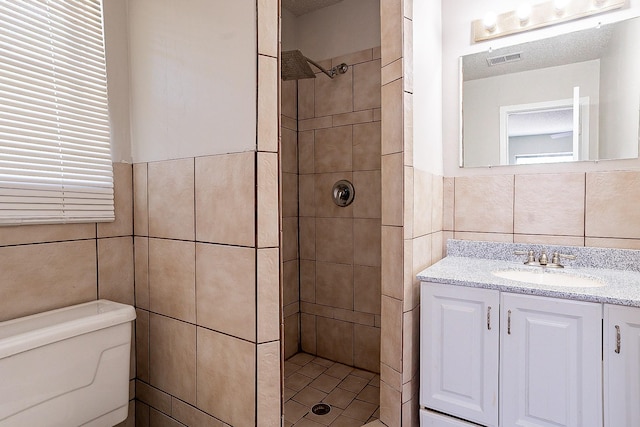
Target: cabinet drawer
434	419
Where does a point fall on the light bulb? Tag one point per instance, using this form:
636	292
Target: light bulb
523	13
489	21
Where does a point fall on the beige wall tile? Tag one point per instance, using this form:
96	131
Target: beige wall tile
612	243
289	151
366	347
376	52
140	206
549	240
158	419
334	96
226	363
334	285
307	238
390	405
421	257
153	397
392	263
142	345
325	207
291	335
407	102
437	207
123	203
172	357
391	72
225	199
336	340
408	214
448	204
268	27
288	123
306	99
366	85
305	151
268	200
407	53
192	416
391	334
290	282
549	212
438	246
367	242
366	146
368	199
115	269
269	386
484	237
170	187
334	240
308	281
289	98
267	98
333	149
141	271
268	309
391	30
484	203
613	204
172	289
314	124
392	189
24	234
392	117
422	202
367	291
410	345
357	117
226	283
308	333
65	275
306	195
289	239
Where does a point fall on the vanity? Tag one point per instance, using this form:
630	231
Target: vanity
509	344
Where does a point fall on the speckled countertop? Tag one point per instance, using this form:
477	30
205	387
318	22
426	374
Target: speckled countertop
471	264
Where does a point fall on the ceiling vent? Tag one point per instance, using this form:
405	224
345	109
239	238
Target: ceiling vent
503	59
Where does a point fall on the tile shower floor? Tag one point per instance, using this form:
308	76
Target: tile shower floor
353	394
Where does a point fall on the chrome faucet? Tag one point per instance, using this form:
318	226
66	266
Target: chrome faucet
543	259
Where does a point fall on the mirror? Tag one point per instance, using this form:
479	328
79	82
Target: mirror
567	98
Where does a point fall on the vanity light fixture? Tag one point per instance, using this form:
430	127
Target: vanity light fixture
527	17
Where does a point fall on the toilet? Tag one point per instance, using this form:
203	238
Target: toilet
67	367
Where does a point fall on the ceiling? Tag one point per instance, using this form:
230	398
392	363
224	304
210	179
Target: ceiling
301	7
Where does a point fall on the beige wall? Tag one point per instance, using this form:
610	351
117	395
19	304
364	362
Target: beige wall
339	138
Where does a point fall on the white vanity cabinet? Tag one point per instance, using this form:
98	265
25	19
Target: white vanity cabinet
459	347
621	354
550	362
545	351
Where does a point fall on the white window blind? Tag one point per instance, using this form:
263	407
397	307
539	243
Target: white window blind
55	155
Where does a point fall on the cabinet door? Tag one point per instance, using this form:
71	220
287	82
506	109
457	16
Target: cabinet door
551	368
459	352
621	366
434	419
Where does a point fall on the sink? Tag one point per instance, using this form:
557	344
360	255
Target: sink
544	277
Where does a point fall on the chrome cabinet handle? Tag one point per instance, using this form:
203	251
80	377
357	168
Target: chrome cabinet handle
509	322
489	318
617	339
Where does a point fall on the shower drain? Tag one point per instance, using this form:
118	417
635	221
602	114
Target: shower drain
321	409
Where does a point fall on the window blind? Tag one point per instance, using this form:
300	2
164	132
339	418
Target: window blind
55	154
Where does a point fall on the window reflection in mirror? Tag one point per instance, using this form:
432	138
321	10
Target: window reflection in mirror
566	98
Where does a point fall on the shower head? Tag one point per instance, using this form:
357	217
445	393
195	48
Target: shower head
295	66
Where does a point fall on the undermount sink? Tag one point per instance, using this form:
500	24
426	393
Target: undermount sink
545	277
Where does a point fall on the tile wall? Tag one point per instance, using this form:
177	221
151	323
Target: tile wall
600	209
339	248
45	267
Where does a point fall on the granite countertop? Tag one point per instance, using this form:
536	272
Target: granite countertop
464	266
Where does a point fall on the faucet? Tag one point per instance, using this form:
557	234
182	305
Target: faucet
543	259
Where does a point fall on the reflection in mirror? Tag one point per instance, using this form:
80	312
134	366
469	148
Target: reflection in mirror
566	98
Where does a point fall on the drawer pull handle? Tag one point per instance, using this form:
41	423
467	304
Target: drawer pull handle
509	322
489	318
617	339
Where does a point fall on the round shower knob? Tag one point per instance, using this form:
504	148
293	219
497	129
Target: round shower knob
343	193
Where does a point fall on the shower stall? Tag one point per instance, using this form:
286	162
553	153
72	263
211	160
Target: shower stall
331	220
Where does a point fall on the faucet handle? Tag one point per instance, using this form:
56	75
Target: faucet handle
543	260
555	259
531	258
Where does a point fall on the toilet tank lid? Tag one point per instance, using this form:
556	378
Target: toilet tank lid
26	333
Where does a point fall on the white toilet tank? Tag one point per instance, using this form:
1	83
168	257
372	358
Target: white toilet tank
66	367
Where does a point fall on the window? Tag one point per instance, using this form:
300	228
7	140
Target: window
55	155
